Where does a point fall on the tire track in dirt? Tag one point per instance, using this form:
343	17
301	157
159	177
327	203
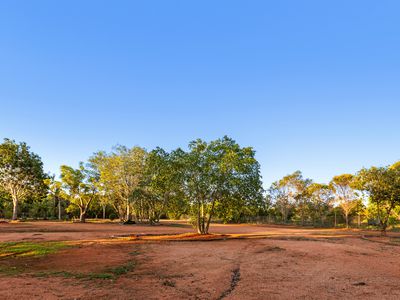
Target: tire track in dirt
234	281
235	273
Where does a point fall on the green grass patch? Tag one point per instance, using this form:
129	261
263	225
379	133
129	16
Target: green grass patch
121	270
55	274
395	239
30	248
108	274
134	253
66	274
10	271
103	276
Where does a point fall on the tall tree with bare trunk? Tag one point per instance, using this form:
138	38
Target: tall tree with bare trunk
344	193
21	173
80	188
119	175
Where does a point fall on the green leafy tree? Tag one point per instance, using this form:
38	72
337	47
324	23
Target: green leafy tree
383	187
40	208
119	176
97	164
280	196
5	199
291	194
163	173
297	188
21	173
321	198
344	193
219	172
55	193
79	187
178	204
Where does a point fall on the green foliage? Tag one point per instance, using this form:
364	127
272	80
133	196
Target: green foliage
292	196
83	276
30	248
42	209
220	176
108	274
79	188
163	178
216	179
344	193
56	196
383	187
320	201
121	270
118	177
21	174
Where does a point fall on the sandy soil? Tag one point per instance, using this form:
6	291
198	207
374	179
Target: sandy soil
248	262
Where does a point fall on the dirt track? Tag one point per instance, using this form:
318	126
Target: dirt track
269	262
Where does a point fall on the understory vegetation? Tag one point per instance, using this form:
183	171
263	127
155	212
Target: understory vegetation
217	180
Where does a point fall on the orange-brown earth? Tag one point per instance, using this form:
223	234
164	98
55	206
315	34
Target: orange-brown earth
168	262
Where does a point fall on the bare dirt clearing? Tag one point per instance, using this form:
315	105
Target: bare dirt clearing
246	262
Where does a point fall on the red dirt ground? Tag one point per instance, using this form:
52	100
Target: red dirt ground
245	262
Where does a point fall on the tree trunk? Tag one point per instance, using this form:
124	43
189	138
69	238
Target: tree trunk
59	209
347	220
335	217
15	209
209	218
203	229
198	219
383	231
384	223
82	217
158	217
384	226
284	215
128	213
321	218
200	225
55	207
104	212
119	210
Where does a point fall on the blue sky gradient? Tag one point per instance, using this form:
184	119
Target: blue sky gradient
311	85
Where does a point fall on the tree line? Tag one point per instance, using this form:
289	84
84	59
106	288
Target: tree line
371	195
210	180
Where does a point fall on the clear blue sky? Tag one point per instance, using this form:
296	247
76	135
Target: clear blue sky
311	85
